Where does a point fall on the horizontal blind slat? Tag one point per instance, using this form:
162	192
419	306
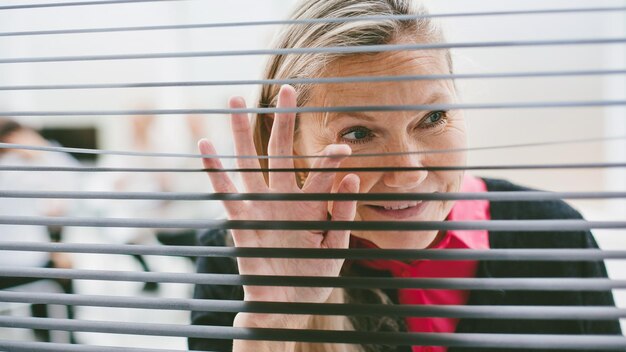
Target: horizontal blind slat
331	50
528	341
192	196
359	155
559	166
525	284
320	80
491	225
234	306
25	346
327	253
327	109
77	3
309	20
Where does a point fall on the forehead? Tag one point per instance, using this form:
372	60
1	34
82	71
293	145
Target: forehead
394	62
381	93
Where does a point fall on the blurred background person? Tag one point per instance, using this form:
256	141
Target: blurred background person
147	134
14	133
141	128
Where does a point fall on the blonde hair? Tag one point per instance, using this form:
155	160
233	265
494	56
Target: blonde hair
335	34
338	34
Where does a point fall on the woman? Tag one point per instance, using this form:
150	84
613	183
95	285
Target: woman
342	134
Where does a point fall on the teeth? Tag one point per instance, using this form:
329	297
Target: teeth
399	207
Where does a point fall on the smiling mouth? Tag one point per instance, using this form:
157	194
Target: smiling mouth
400	210
397	206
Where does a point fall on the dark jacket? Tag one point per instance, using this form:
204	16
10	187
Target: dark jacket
514	210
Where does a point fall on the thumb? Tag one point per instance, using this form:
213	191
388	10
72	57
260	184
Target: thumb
343	211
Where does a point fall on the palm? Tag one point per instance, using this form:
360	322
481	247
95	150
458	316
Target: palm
281	144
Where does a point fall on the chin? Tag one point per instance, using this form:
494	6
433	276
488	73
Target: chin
400	239
422	211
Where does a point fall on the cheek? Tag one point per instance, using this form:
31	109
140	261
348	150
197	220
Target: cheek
367	179
447	181
453	137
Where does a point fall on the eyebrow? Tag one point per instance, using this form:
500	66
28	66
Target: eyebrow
437	96
354	114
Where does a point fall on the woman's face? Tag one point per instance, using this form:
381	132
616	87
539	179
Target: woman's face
390	132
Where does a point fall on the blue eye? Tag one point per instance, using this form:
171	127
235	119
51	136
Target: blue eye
357	134
435	118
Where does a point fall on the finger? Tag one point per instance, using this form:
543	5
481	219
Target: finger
322	182
244	145
281	142
220	180
343	211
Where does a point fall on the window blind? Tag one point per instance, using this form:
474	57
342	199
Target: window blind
144	301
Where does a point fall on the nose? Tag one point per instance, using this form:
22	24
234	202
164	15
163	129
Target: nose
405	179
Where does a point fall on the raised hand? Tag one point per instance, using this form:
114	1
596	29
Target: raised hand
281	144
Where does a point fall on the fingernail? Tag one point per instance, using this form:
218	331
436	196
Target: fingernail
203	145
237	100
330	151
357	183
287	86
339	150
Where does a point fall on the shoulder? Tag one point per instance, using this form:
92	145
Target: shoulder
534	210
223	265
218	265
212	237
549	209
538	210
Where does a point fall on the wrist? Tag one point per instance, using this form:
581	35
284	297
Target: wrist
261	320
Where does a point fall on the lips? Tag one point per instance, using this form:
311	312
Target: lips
398	210
397	206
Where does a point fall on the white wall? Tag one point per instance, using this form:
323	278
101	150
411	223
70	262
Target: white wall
535	125
512	126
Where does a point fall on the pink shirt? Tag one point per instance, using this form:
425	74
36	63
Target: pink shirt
454	239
